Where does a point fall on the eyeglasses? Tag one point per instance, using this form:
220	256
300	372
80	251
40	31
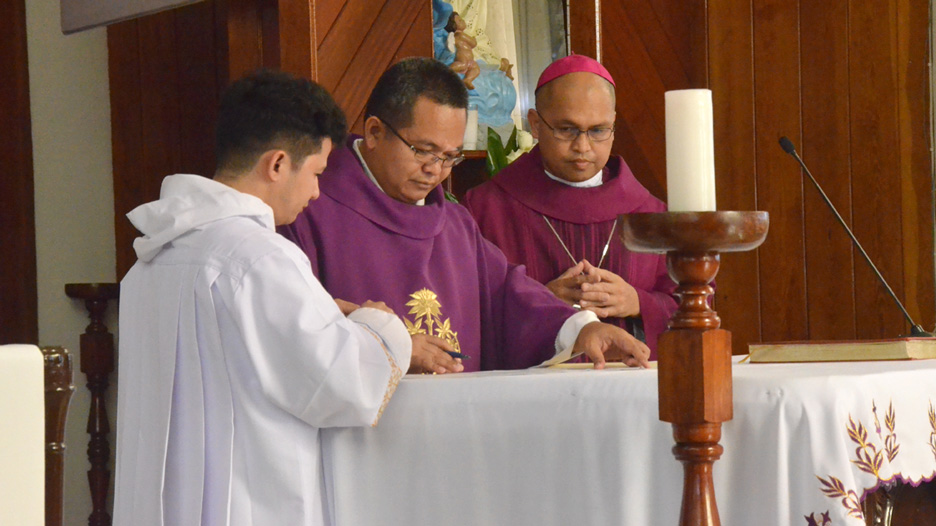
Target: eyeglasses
571	133
425	156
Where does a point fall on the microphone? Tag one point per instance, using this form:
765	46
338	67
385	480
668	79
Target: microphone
915	330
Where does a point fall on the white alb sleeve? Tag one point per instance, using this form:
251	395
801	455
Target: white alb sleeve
569	331
390	330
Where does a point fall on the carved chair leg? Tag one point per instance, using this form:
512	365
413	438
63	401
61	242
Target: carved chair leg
58	392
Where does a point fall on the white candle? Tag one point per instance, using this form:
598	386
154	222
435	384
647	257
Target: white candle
690	151
471	130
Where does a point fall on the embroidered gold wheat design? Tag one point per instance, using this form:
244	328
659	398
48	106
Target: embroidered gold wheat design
868	458
932	419
890	442
834	488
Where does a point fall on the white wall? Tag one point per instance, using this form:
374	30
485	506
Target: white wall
68	90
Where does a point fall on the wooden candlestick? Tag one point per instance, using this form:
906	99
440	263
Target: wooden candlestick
97	363
694	353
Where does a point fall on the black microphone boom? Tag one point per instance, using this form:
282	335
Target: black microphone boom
915	330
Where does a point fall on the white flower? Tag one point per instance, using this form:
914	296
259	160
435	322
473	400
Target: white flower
524	145
512	156
524	140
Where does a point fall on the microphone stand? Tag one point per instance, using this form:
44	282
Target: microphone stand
916	331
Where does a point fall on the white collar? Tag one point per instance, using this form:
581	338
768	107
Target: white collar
591	182
370	175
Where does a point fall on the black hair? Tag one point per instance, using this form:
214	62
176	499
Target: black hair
399	87
273	110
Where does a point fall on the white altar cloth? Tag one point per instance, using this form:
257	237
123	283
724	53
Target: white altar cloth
586	447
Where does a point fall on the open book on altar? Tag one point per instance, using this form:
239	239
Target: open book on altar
843	351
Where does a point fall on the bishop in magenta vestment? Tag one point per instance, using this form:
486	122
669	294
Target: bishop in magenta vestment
513	208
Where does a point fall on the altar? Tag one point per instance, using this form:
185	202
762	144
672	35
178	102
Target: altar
548	446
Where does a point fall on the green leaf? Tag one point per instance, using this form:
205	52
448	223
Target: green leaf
512	145
449	196
496	156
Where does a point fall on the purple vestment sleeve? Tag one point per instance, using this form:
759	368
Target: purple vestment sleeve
430	264
524	315
657	305
512	211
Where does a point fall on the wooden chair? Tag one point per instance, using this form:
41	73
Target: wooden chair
58	392
36	389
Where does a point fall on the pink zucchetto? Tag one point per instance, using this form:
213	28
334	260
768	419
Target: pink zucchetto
573	64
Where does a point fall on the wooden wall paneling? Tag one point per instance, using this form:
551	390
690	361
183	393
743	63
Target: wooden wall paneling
159	96
377	50
731	74
641	73
199	87
166	77
270	39
684	26
642	151
640	133
296	25
826	150
418	39
18	290
646	59
356	125
326	13
416	43
848	84
167	72
667	50
779	183
875	177
160	107
127	135
584	27
239	32
913	78
345	37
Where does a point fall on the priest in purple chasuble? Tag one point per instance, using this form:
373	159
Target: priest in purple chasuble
555	208
383	229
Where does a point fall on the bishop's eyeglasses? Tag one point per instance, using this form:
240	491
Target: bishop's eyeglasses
425	156
571	133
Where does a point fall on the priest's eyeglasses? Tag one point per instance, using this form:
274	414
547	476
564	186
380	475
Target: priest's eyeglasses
571	133
425	156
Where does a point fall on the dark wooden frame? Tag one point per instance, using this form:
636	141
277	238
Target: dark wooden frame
19	308
58	392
